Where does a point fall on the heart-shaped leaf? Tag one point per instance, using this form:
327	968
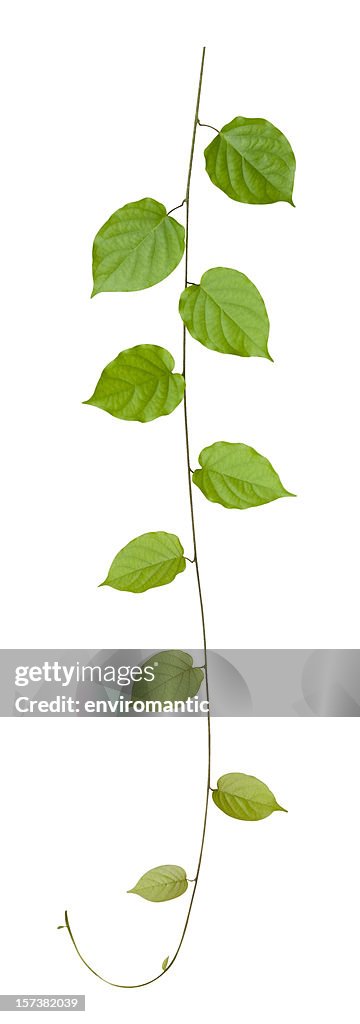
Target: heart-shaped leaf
151	560
163	883
225	312
139	385
252	162
137	247
244	797
236	476
175	678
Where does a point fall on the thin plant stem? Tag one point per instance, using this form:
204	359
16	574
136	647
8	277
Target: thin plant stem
142	984
193	527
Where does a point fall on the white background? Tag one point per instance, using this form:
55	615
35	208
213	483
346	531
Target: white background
100	103
98	111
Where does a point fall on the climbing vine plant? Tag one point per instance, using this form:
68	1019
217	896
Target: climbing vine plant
251	161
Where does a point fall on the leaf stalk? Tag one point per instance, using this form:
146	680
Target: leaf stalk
203	125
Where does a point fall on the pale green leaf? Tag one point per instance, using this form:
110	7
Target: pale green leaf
244	797
139	385
175	678
165	963
236	476
163	883
137	247
150	560
225	312
252	162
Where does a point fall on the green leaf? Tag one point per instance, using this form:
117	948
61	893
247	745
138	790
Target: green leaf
244	797
225	312
163	883
252	162
150	560
165	963
137	247
236	476
139	385
175	678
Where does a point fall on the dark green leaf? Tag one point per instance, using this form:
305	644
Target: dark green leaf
163	883
150	560
252	162
236	476
175	678
137	247
225	312
244	797
139	385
